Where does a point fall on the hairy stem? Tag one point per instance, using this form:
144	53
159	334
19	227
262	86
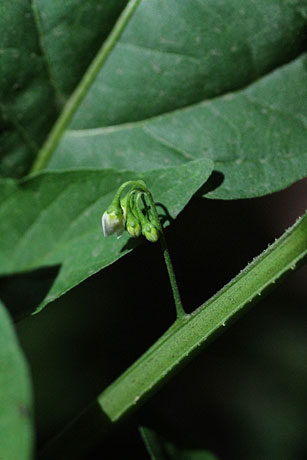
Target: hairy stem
81	90
186	338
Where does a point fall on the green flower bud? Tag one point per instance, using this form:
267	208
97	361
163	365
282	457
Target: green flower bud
150	232
133	226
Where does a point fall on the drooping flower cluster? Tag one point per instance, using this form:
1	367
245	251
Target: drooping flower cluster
135	212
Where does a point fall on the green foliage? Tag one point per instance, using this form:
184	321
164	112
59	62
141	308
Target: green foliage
69	29
256	137
39	71
221	47
16	431
178	53
55	218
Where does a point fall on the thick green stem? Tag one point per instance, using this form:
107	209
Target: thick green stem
184	339
178	346
81	90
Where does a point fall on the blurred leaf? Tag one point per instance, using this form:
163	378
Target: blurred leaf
160	449
55	218
15	395
45	48
256	137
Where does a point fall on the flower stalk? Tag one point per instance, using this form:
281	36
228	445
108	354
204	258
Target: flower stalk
136	212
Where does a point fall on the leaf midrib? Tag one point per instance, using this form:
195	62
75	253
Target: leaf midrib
44	54
243	92
133	4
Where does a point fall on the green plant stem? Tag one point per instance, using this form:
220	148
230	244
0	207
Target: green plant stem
177	299
184	339
141	186
178	346
81	90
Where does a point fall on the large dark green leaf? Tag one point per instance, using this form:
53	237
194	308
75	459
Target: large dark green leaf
71	33
27	98
45	48
55	218
16	434
257	137
171	55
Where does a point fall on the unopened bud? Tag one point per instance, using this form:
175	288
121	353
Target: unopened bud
150	232
133	227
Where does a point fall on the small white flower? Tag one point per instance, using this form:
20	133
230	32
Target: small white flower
112	222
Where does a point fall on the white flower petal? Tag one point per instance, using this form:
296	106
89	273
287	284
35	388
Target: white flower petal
112	223
104	222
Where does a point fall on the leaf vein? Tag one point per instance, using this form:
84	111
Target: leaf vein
44	53
166	143
160	51
261	104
